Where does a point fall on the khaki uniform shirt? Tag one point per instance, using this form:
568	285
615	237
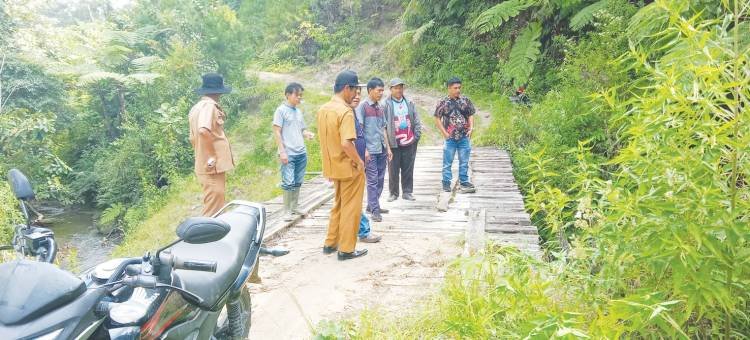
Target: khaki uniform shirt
335	127
208	114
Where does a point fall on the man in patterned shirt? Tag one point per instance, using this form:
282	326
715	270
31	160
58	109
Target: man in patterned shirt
454	116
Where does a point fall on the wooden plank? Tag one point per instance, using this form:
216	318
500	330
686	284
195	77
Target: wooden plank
475	232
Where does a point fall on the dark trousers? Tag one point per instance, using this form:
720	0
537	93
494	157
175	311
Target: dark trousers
375	170
403	163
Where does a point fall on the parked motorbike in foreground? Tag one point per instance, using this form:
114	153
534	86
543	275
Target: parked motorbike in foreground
193	288
29	240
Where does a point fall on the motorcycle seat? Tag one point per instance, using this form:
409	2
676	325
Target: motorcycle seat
29	289
229	254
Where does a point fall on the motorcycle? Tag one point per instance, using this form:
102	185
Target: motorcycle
29	240
165	295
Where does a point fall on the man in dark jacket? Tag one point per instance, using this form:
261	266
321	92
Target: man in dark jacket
403	128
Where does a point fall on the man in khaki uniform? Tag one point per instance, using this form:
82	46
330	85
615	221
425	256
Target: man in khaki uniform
213	155
342	165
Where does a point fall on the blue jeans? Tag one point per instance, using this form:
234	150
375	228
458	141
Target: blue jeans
293	172
449	152
364	226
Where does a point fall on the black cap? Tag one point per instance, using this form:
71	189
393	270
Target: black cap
213	83
347	77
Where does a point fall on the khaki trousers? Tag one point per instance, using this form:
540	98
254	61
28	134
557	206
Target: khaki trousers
347	209
214	186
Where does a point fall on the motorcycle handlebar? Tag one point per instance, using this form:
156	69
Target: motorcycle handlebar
189	264
204	266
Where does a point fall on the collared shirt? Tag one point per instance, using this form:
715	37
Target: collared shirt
292	123
371	114
336	127
360	141
208	114
454	114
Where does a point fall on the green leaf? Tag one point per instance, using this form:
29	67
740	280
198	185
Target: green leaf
586	15
523	55
499	14
95	77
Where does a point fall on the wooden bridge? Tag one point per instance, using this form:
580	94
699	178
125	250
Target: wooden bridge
306	287
497	203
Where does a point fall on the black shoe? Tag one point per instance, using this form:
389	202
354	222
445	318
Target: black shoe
375	217
447	187
467	185
353	255
392	198
409	197
329	250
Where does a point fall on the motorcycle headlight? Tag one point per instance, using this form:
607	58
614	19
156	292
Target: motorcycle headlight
50	336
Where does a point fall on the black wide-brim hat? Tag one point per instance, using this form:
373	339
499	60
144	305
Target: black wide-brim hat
213	83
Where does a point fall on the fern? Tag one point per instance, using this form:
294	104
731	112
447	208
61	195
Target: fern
112	215
144	64
420	31
97	76
499	14
586	15
523	55
141	78
413	35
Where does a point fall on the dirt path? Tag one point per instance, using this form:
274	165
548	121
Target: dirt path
303	288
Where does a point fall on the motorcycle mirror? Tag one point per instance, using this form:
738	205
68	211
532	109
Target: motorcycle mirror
20	185
197	230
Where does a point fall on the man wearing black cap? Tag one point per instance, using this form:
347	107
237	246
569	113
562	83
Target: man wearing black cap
213	155
343	166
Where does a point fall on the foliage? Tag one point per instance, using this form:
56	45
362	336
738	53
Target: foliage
497	15
523	55
9	213
635	168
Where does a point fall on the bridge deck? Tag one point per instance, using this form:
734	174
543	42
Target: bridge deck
491	172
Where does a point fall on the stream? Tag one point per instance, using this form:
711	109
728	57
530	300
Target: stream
80	246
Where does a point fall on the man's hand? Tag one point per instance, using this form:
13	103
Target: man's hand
390	154
358	165
468	133
211	162
283	157
308	134
367	156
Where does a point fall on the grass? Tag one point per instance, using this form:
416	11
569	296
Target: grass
255	177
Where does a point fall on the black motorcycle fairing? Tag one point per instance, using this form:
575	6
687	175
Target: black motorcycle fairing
74	318
229	253
29	289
